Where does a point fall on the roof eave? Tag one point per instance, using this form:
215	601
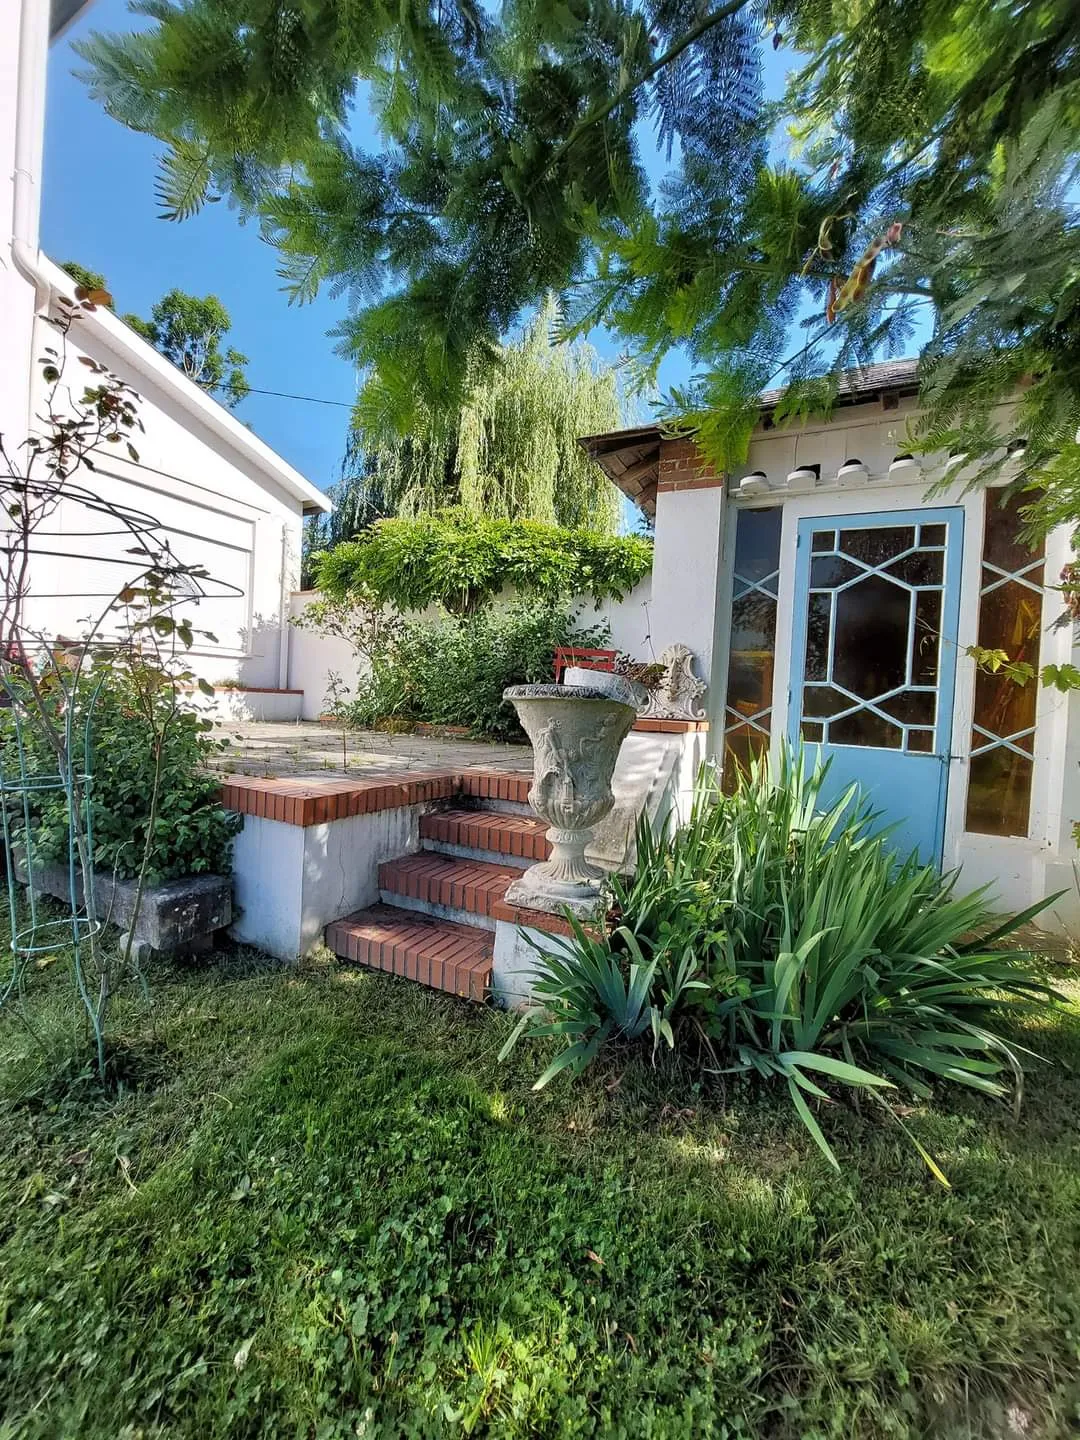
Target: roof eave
143	358
862	388
63	14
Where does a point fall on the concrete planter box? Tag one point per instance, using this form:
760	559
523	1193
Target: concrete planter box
176	917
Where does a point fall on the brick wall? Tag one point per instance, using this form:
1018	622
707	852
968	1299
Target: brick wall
682	467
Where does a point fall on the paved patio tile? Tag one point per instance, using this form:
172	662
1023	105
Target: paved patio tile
294	748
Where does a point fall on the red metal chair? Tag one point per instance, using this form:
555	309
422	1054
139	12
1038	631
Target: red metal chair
566	656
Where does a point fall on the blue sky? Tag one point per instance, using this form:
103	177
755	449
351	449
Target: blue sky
98	207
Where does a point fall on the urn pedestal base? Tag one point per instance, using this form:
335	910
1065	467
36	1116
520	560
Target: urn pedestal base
539	892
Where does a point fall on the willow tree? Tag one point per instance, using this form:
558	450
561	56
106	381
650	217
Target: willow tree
510	451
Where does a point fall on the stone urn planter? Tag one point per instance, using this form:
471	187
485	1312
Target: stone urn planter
576	732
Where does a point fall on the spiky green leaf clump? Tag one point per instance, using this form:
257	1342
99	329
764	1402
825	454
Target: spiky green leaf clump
780	936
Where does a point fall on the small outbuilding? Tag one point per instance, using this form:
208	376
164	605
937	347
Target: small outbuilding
199	478
831	591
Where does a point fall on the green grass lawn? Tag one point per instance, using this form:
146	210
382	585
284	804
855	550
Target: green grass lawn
325	1209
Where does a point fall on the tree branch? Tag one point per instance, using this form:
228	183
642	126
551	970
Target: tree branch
692	36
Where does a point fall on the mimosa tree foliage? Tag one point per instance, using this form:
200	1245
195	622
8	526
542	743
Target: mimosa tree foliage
930	173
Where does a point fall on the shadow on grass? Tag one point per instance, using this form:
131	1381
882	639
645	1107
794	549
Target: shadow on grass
337	1214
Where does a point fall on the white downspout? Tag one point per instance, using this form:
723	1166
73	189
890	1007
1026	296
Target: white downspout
30	144
283	612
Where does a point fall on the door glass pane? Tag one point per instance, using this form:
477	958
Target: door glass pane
819	609
828	571
924	567
927	638
823	540
911	707
748	708
873	638
877	545
821	700
866	728
871	644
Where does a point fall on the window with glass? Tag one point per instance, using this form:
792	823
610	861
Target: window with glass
749	701
1010	619
873	636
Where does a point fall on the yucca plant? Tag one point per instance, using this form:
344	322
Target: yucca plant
597	988
787	937
860	966
641	977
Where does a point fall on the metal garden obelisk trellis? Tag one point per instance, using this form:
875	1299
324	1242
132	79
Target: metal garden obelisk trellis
54	523
21	786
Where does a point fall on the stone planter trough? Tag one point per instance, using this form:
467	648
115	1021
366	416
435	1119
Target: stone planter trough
177	917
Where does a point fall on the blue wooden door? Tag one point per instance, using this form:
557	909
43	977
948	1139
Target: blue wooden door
873	660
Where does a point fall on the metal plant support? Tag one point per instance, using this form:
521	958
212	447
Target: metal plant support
51	684
20	787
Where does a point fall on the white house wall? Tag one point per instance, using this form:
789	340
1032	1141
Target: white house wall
686	569
214	508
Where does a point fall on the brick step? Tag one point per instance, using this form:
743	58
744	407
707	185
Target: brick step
518	840
438	953
507	787
465	891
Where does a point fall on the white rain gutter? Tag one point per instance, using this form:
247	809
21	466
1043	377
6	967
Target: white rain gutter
48	279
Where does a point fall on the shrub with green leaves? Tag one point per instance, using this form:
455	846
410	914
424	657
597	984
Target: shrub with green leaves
778	936
461	561
191	832
453	671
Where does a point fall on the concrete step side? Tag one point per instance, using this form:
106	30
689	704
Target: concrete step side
453	914
518	839
501	807
502	787
454	958
465	891
469	852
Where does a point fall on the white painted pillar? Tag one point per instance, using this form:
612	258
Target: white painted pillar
686	562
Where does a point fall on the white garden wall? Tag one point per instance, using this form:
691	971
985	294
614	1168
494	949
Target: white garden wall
312	657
